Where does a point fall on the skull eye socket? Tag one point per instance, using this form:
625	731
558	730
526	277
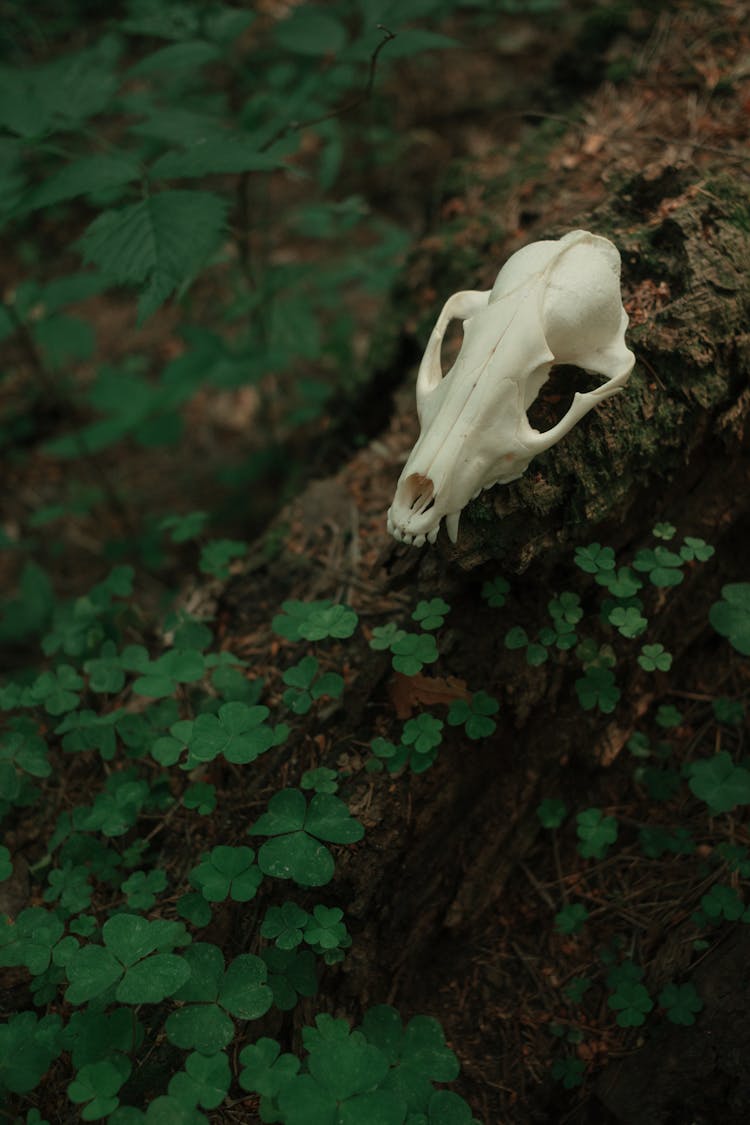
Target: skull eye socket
556	395
451	344
419	493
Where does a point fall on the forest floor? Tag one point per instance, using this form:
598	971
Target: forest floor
513	991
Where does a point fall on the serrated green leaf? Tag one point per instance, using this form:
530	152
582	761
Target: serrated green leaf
86	176
159	242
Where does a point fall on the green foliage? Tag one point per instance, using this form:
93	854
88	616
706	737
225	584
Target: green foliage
227	872
474	715
632	1003
494	592
410	651
596	832
681	1002
295	850
551	812
306	685
569	1071
655	658
431	615
730	617
570	919
380	1072
597	688
720	783
422	734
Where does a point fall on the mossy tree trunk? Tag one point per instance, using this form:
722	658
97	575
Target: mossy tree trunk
440	846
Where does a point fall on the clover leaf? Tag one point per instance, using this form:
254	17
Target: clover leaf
227	872
322	780
97	1084
494	592
217	554
213	994
632	1003
142	887
265	1069
566	608
326	928
570	919
296	613
720	783
629	622
698	549
131	960
655	658
341	1086
422	733
597	688
295	851
731	616
57	690
569	1071
27	1048
30	940
621	583
412	651
291	973
594	558
661	565
284	924
552	812
384	636
431	615
722	902
238	732
204	1081
201	797
664	531
474	715
596	832
680	1002
336	621
182	528
305	685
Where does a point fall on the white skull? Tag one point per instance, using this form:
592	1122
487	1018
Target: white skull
552	302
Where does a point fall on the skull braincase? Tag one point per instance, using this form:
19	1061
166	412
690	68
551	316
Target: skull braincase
552	302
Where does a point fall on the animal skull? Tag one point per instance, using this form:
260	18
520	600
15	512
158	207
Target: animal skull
552	302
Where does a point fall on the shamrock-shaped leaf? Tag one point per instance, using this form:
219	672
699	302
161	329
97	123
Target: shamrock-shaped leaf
296	613
291	973
731	616
326	928
664	531
412	651
431	615
385	636
332	621
655	658
295	851
596	832
594	558
266	1070
474	714
322	780
698	549
184	527
105	673
284	924
621	583
597	688
680	1002
628	621
722	902
142	887
720	783
218	554
423	733
201	797
128	959
238	732
494	592
570	919
27	1048
204	1081
552	812
569	1071
661	565
211	995
227	872
632	1003
98	1084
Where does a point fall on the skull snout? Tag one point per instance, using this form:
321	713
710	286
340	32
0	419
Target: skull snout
411	517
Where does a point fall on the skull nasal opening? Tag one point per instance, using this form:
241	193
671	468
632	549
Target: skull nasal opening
418	493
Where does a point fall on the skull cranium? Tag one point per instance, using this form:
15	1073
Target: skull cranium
552	302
